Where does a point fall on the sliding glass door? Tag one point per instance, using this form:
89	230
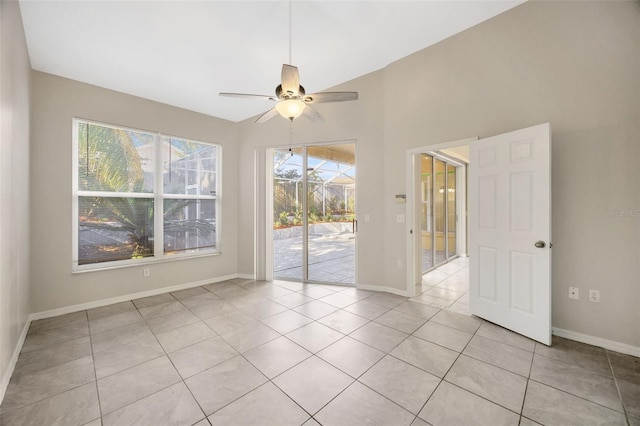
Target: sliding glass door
438	221
314	222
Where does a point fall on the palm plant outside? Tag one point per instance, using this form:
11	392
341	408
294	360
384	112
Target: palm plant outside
122	227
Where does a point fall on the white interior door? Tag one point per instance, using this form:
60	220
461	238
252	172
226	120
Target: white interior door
510	231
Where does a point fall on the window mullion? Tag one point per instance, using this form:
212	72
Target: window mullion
158	208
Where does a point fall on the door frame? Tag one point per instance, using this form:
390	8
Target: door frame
263	207
412	224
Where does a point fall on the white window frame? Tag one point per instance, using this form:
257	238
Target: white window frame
157	195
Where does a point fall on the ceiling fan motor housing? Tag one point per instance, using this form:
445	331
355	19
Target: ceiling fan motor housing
281	94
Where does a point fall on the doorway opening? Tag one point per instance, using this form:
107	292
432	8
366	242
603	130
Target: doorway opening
313	213
442	200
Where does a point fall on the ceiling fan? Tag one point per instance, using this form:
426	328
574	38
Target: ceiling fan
292	101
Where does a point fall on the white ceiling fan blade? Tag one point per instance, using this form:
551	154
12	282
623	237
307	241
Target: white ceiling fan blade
248	95
267	115
330	97
312	115
290	80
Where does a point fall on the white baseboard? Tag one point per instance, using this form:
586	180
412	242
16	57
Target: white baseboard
14	359
598	341
245	276
392	290
126	298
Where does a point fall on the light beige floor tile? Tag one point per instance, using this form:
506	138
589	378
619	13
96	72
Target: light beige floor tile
419	422
263	309
212	309
184	336
286	321
460	308
528	422
359	405
135	383
276	356
451	405
230	321
490	382
51	336
171	321
311	422
315	292
59	321
502	335
351	356
199	300
434	302
220	385
29	388
201	356
189	292
501	355
153	300
379	336
313	383
109	310
387	300
550	406
343	321
578	354
339	300
250	336
459	321
626	369
56	410
162	309
171	406
357	293
292	300
315	336
265	406
417	309
443	293
30	362
402	383
315	310
290	285
576	380
111	322
428	356
366	309
400	321
126	355
126	334
443	335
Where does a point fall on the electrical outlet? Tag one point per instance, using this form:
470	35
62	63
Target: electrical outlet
574	293
594	296
146	272
399	263
400	218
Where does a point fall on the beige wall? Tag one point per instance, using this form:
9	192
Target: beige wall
573	64
15	88
55	102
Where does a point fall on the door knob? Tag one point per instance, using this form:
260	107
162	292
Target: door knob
540	244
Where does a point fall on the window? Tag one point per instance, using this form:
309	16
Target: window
123	178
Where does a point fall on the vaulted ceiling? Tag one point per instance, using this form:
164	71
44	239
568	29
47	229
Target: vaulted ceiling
184	53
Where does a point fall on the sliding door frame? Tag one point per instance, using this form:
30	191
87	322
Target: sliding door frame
264	204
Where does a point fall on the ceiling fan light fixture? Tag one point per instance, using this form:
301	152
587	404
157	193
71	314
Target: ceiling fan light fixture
290	108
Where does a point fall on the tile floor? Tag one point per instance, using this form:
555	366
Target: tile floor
247	352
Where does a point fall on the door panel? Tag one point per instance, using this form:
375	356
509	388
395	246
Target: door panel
510	210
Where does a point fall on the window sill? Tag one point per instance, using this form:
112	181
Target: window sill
76	269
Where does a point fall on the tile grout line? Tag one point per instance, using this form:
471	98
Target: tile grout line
615	381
